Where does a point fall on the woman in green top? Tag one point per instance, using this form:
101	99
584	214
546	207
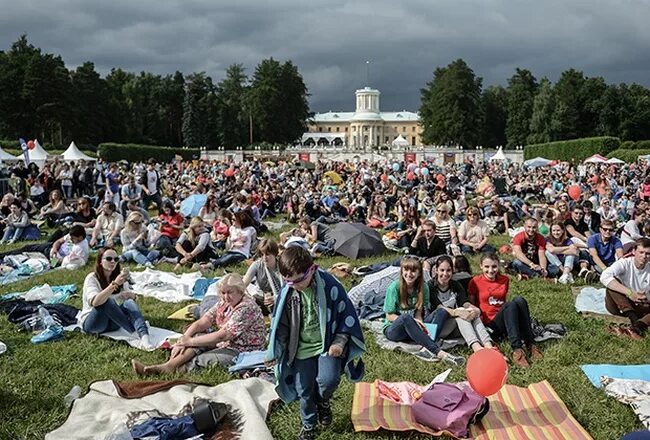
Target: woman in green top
406	300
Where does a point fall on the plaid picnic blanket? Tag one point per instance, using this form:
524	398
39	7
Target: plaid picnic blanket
535	412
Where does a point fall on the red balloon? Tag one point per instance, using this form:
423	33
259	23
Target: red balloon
574	192
31	145
487	371
410	175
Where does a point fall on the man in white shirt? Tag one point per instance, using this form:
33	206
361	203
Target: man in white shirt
628	288
150	181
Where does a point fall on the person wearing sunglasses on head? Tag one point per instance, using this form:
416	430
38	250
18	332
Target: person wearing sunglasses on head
108	301
136	245
315	337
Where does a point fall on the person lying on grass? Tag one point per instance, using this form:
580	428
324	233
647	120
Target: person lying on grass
315	337
407	299
504	319
238	326
452	310
108	301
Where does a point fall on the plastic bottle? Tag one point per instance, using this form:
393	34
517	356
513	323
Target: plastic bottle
45	316
73	395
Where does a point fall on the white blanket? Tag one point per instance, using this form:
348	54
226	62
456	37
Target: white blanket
157	336
635	393
591	300
95	415
165	286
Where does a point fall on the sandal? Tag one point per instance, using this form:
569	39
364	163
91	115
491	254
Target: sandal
616	329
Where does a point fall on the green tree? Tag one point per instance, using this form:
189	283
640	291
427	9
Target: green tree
609	119
90	105
233	117
198	87
451	106
522	87
591	101
635	112
494	103
568	109
543	107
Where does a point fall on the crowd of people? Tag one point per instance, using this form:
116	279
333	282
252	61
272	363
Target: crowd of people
566	222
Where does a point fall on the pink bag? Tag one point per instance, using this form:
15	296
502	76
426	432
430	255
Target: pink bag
449	407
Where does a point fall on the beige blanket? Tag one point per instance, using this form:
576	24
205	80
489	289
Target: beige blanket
95	415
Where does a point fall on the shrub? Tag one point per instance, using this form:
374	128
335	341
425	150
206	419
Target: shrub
112	152
574	149
628	155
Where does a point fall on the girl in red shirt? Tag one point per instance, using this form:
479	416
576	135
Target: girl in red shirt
503	318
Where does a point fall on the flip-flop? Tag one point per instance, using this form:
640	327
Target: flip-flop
616	329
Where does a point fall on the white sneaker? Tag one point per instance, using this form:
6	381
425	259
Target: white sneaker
564	279
570	279
145	343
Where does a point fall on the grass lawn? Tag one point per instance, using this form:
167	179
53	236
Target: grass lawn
36	377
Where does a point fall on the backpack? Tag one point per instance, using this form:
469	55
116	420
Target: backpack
451	408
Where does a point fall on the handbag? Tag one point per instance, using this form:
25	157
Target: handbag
451	408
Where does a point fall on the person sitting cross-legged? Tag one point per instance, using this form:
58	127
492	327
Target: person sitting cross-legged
473	234
627	282
529	247
604	248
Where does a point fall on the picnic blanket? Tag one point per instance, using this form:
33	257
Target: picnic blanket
591	302
633	392
535	412
45	293
595	372
22	266
165	286
157	336
102	410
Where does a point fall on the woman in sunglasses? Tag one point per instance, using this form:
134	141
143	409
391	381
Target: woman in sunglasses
135	242
108	301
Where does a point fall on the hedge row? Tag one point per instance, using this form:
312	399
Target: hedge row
628	155
575	149
635	145
112	152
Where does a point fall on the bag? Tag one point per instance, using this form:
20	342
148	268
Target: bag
451	408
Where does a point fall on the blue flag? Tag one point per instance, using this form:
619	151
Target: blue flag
25	148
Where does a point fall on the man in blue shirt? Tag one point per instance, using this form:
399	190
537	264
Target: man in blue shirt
604	248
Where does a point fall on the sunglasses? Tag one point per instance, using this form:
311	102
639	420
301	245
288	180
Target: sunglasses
472	215
607	229
302	278
111	259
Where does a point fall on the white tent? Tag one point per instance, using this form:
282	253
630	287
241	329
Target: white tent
6	157
615	161
537	162
499	155
400	142
596	158
38	155
73	154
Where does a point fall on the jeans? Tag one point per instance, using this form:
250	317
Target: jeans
317	378
513	321
112	316
140	257
13	233
524	269
67	191
404	328
153	198
438	317
470	250
228	258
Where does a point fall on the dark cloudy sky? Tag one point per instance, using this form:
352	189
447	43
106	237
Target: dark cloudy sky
331	40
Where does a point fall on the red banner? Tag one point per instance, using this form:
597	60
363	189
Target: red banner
409	157
303	156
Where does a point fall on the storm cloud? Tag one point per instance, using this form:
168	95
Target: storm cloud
330	41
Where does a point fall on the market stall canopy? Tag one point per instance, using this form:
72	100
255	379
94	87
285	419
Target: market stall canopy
537	162
6	157
499	155
596	158
615	161
38	155
74	154
400	142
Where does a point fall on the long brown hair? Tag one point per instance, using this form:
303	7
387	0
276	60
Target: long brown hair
99	270
553	240
412	264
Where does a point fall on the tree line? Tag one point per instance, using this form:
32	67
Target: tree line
41	98
457	110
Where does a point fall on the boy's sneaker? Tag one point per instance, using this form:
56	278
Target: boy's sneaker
307	433
570	279
324	413
564	279
426	355
457	361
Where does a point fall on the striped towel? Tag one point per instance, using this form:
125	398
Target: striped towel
536	412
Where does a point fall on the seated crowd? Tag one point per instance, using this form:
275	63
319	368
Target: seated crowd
433	221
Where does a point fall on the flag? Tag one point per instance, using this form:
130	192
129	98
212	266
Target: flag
25	148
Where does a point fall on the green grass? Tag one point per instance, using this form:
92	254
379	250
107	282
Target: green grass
36	377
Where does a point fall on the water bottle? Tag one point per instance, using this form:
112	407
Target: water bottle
73	395
46	318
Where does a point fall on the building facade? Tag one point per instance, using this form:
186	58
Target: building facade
365	128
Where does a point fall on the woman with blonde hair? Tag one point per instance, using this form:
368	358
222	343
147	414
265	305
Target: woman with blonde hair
136	245
238	326
407	299
194	245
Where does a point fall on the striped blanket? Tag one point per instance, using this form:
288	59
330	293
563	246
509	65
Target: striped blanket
536	412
